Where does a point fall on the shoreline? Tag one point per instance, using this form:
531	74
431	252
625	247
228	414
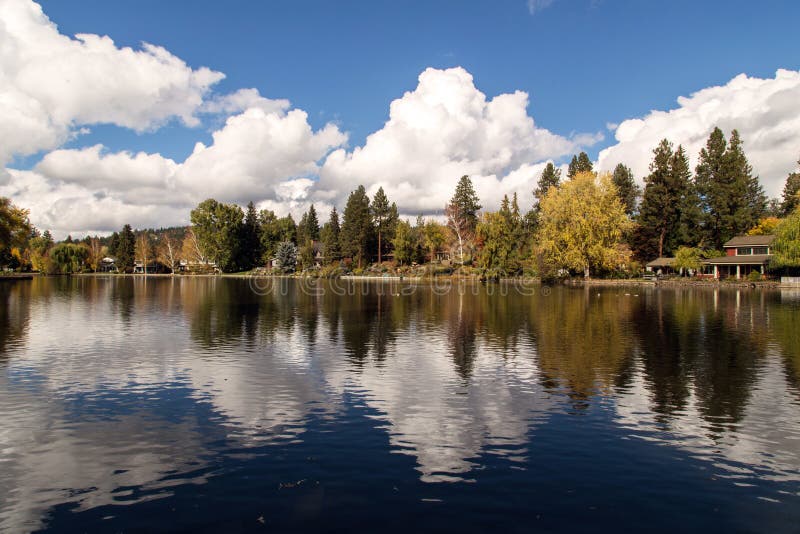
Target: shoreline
577	282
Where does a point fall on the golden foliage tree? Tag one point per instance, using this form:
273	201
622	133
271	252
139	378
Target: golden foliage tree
582	225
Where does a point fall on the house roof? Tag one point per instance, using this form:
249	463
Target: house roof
753	259
661	262
750	241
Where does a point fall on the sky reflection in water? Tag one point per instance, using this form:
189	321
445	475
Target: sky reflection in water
180	403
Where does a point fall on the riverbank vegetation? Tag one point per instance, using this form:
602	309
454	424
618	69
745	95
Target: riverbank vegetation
587	224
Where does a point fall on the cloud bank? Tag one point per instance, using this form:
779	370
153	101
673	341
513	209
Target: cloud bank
50	83
443	129
765	111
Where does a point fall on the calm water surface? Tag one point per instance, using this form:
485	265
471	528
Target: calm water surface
131	404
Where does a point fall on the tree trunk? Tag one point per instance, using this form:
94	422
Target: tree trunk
586	272
661	243
379	246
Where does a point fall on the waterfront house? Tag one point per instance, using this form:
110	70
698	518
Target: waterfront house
107	265
743	255
662	265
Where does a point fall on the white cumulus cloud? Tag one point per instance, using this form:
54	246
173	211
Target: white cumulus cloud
266	157
51	83
442	130
765	111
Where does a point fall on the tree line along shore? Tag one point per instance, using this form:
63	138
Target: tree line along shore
586	224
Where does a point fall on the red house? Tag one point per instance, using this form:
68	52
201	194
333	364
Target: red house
743	255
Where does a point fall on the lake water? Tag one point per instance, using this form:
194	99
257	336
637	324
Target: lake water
222	405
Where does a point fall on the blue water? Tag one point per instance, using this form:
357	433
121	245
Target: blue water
131	404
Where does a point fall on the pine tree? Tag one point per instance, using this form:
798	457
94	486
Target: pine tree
627	189
749	199
126	249
731	197
286	256
688	231
113	243
330	237
666	201
466	202
579	163
505	209
312	224
380	212
356	232
791	189
551	177
251	239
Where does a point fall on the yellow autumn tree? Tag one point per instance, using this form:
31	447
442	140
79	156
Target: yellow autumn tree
582	225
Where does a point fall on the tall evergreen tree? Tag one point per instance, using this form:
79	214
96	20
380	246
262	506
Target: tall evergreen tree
551	177
126	249
356	233
113	243
668	215
579	163
752	209
688	232
380	212
462	213
731	197
330	237
251	239
791	189
658	212
312	224
467	202
627	189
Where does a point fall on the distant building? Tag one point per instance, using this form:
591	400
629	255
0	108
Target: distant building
107	265
743	255
662	264
153	267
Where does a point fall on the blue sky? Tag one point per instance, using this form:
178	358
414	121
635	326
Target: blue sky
585	63
407	96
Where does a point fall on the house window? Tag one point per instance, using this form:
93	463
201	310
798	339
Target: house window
760	250
743	251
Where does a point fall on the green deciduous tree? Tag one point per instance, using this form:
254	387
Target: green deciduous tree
582	225
405	243
495	234
434	236
69	257
687	258
273	231
218	228
14	226
786	247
